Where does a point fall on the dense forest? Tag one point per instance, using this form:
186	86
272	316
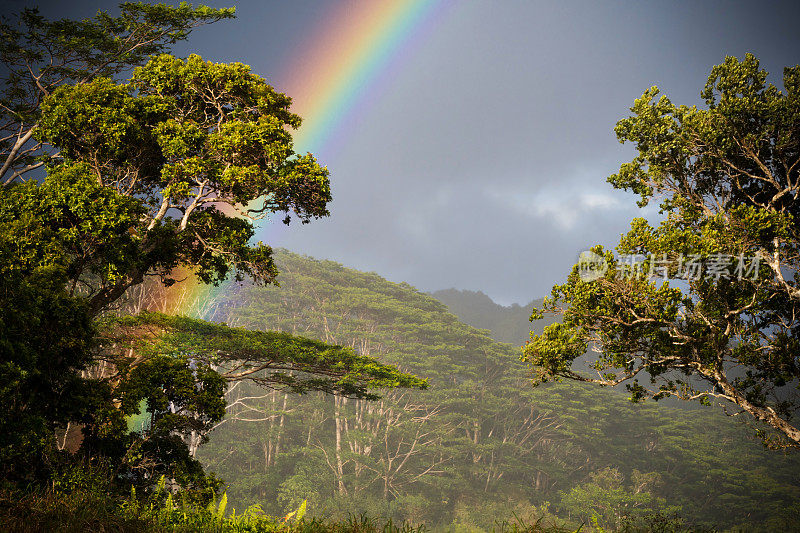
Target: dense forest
481	443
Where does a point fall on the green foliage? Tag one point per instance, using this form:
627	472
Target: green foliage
479	419
727	178
46	337
92	510
71	222
268	358
183	400
40	55
169	169
203	140
607	501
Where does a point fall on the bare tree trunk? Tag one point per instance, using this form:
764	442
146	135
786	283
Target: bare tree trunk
280	425
194	442
339	423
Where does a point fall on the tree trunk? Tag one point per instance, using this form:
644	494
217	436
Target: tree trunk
338	402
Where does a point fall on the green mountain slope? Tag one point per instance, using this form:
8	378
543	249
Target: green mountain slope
480	444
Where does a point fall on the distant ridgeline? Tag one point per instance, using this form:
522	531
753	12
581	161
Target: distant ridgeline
507	323
481	444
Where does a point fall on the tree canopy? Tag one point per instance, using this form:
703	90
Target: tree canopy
176	164
273	359
704	305
40	55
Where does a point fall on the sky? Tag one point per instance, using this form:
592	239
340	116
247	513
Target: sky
477	156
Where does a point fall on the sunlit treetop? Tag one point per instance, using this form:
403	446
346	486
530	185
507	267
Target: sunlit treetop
39	55
205	148
269	358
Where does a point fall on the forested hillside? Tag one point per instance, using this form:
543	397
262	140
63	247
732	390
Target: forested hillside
480	444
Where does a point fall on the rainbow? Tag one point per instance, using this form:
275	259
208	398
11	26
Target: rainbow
331	78
336	71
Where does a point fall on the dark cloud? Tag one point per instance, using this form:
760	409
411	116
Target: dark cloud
483	165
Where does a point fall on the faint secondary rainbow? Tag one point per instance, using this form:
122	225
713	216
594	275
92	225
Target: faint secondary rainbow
331	78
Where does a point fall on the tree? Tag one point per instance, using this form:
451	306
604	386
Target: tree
705	305
202	150
40	55
272	359
46	330
45	339
170	169
606	500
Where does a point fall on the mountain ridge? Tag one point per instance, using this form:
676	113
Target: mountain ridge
509	324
